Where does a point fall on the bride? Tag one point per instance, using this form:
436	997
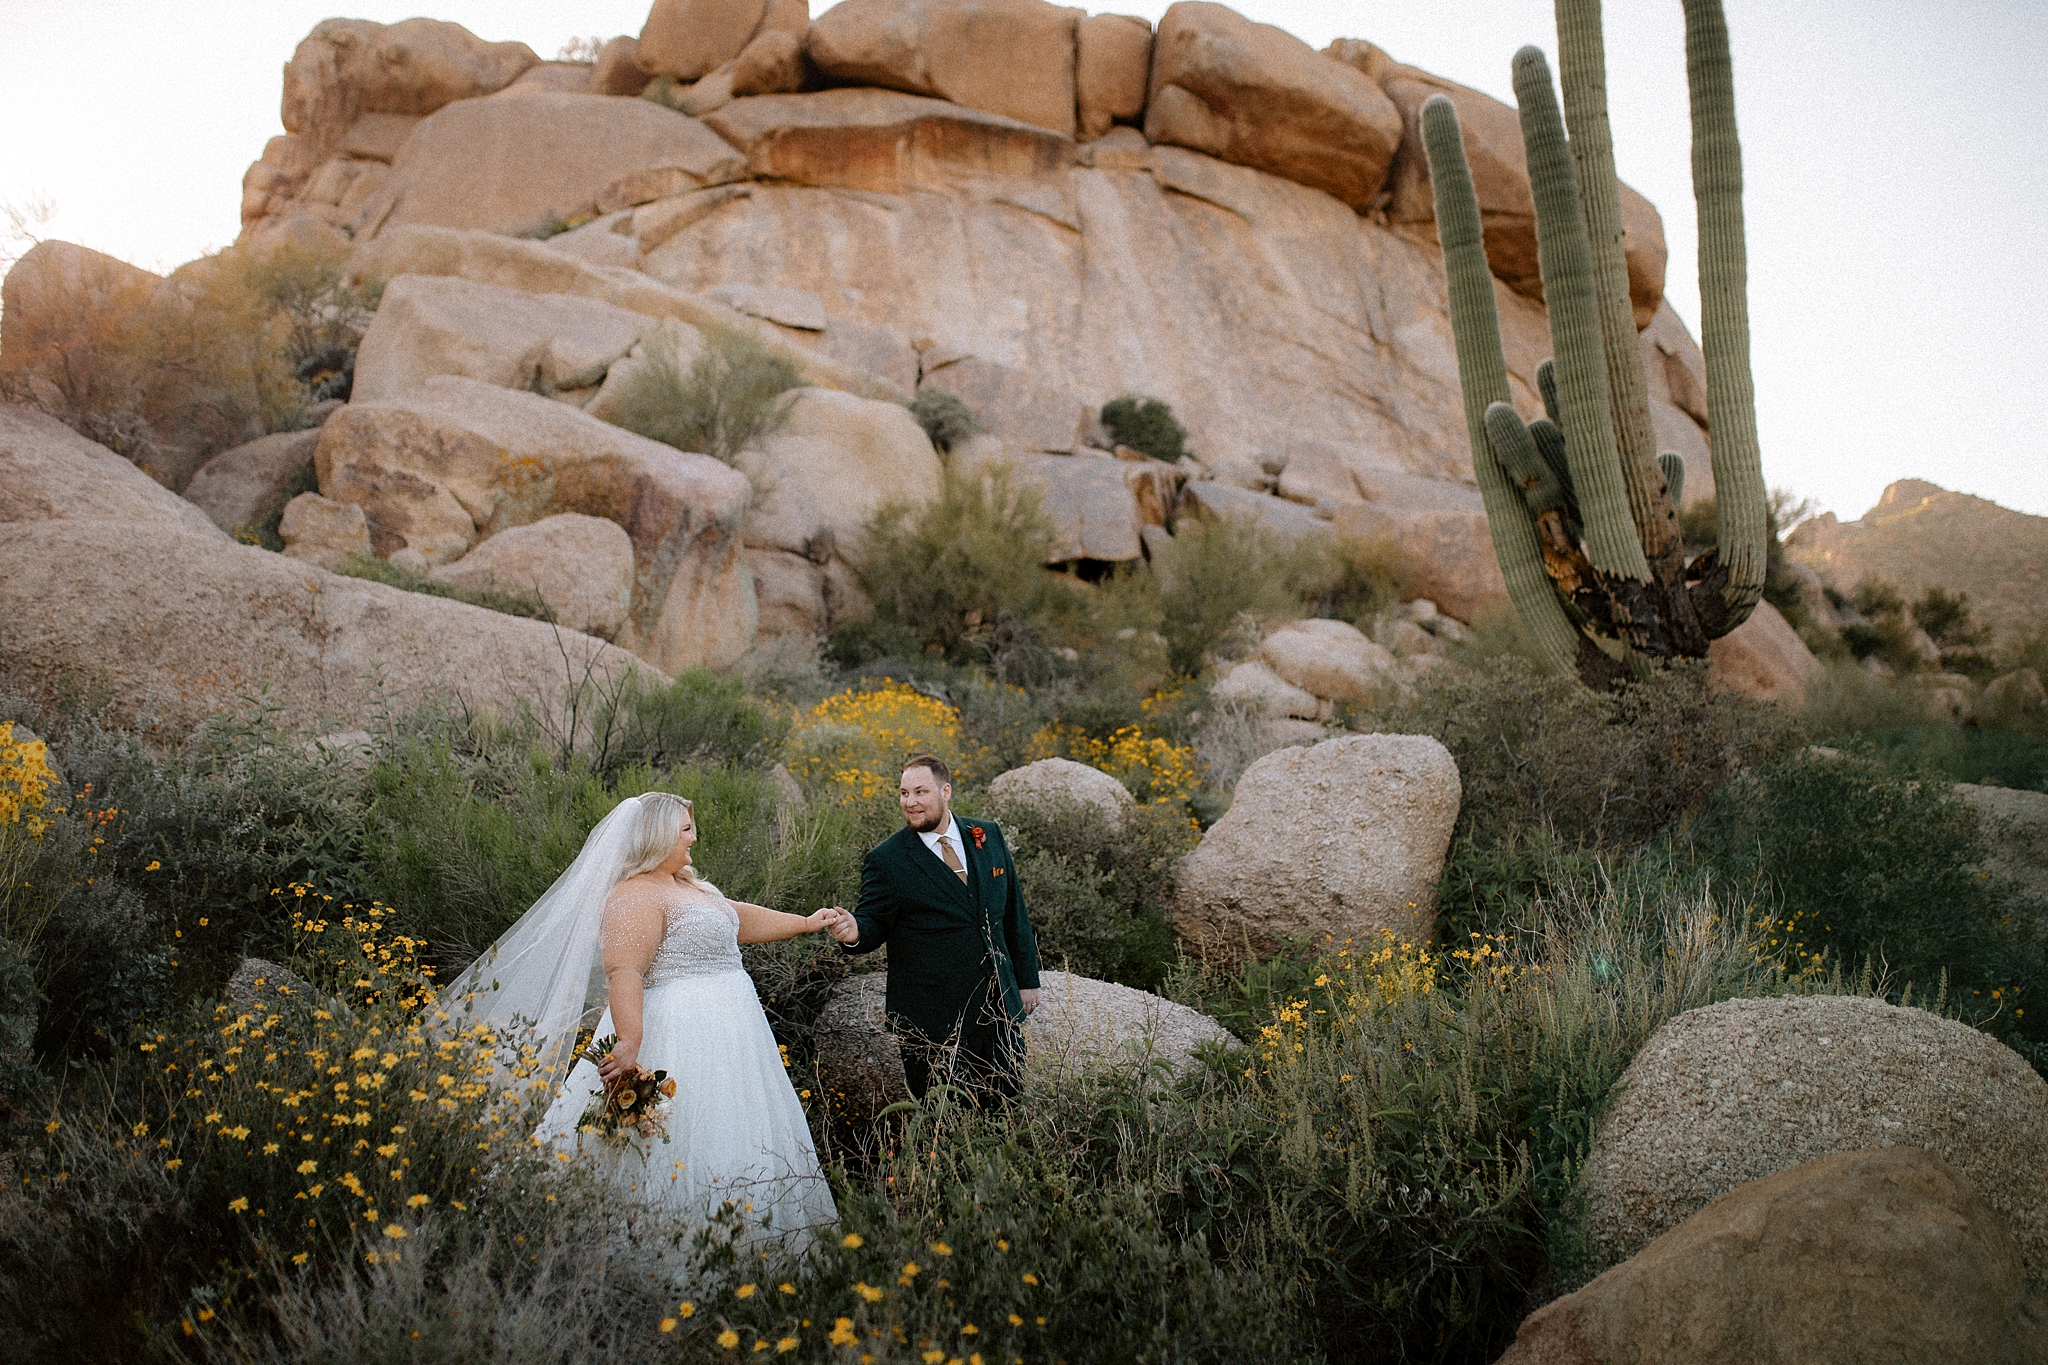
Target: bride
631	918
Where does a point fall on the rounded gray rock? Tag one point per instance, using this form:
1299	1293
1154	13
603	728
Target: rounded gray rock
1733	1092
1341	839
1062	779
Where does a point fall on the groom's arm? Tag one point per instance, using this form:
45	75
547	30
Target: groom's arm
1017	935
875	913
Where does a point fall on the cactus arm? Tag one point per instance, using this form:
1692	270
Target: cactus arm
1515	447
1483	379
1566	261
1582	73
1546	384
1741	500
1674	473
1549	438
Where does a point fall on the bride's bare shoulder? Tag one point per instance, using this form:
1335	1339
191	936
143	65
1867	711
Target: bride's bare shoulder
646	892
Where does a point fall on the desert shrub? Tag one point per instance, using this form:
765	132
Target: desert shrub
1147	425
851	746
961	580
1232	736
943	416
1098	895
701	717
1886	631
734	396
510	601
1868	865
1345	578
1598	770
1846	699
1958	753
1218	581
169	375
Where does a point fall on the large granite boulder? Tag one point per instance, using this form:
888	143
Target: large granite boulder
689	39
1444	546
49	473
1014	58
1054	781
580	566
506	165
1763	658
1733	1092
2015	827
1330	659
429	325
175	626
1080	1024
1258	96
243	488
1866	1255
347	68
833	463
444	465
1343	839
58	302
321	531
1112	67
1255	687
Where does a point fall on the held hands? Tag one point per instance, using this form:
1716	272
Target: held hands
837	922
1029	999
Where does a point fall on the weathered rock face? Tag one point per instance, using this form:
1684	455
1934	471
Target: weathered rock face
1871	1255
772	64
1330	659
1258	688
618	70
1013	58
1736	1091
176	626
1061	780
1921	536
431	325
1112	67
581	566
346	68
1763	658
1258	96
833	464
439	467
241	489
689	39
1080	1024
2016	829
506	165
49	473
321	531
1346	838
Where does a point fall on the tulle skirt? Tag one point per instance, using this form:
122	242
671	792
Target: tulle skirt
736	1131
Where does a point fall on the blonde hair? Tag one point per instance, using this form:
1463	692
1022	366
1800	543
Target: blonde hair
654	836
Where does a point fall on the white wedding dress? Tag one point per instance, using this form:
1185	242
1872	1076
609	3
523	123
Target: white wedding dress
736	1130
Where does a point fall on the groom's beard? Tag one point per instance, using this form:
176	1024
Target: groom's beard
930	822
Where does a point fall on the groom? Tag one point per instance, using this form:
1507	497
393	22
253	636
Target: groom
963	965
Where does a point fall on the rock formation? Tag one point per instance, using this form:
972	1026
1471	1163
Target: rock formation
1736	1091
1080	1023
1921	536
1063	780
1343	839
1867	1255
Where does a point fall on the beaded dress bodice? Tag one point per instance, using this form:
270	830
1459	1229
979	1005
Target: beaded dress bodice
703	938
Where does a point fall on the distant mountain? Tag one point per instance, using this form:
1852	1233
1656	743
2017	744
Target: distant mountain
1921	535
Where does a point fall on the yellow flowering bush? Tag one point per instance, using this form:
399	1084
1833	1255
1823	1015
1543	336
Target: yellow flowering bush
1156	770
25	780
854	743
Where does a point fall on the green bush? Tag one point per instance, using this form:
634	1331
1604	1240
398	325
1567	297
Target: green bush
510	601
943	416
701	717
1845	699
733	397
1958	753
961	580
1147	425
1867	865
1098	895
1218	581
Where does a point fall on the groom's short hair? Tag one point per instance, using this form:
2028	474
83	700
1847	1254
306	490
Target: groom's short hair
941	774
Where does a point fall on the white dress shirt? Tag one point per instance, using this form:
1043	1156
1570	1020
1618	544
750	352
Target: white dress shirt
951	831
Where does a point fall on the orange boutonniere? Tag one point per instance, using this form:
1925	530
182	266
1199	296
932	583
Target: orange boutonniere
980	835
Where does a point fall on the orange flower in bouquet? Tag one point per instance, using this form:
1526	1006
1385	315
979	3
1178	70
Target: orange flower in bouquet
634	1103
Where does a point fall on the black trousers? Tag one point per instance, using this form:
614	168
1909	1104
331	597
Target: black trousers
984	1056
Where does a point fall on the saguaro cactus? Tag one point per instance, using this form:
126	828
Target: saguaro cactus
1582	508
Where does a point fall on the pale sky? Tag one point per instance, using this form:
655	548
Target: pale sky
1897	191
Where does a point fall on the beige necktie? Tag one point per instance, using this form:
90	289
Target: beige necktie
952	858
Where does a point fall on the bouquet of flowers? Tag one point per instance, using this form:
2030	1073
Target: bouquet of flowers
634	1102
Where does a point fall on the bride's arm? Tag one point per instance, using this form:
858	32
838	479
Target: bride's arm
631	931
759	924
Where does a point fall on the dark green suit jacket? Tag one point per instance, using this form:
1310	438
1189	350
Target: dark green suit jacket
946	938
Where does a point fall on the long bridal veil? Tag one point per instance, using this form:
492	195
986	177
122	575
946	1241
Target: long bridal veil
545	972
